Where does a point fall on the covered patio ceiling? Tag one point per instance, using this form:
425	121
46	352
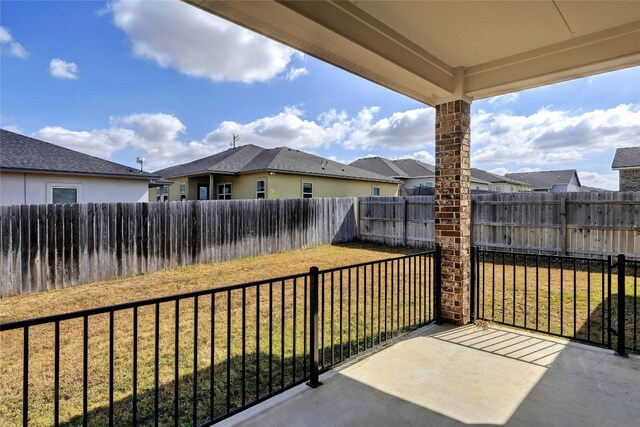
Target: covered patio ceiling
436	51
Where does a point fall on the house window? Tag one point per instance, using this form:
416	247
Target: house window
203	191
375	191
224	191
183	188
429	184
307	190
63	193
260	189
499	188
162	193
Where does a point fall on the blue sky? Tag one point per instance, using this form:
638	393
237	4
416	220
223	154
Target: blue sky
172	83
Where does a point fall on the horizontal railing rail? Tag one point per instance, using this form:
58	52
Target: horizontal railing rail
588	300
199	357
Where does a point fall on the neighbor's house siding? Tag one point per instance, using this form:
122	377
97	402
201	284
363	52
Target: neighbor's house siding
289	186
29	188
507	187
629	179
280	186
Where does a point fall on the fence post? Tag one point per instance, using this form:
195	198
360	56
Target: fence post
438	286
621	305
313	329
404	222
472	286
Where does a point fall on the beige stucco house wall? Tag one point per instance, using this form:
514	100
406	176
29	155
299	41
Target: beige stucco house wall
33	188
277	185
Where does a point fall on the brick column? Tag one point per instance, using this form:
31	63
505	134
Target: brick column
453	206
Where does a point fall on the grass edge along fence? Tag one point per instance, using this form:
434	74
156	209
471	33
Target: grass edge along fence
200	357
44	247
588	300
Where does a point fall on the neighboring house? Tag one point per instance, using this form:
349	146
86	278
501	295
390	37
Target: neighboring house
416	175
252	172
498	183
627	163
36	172
560	181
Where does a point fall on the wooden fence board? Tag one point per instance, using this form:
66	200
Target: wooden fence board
56	246
578	224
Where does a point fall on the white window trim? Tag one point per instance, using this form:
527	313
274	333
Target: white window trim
264	192
373	190
302	188
230	190
52	185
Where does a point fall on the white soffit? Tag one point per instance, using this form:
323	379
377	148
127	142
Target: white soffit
437	50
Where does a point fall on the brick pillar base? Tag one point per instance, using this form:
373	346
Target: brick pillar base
453	206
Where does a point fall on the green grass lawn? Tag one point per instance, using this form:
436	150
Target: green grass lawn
211	347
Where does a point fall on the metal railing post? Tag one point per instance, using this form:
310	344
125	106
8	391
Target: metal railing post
472	286
438	285
621	305
313	329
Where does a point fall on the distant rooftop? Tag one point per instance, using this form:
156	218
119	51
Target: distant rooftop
628	157
251	158
24	154
545	180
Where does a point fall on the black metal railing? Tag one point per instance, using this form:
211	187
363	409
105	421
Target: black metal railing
200	357
571	297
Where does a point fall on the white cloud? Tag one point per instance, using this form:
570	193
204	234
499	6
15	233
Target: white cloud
10	47
608	181
287	128
401	131
159	136
98	142
63	70
423	156
550	137
196	43
295	73
508	98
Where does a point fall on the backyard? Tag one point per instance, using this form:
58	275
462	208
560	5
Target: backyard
259	345
181	280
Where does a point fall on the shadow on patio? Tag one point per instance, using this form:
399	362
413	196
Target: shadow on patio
441	375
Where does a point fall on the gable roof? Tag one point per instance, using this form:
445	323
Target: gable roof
251	158
545	180
24	154
412	168
415	168
381	166
628	157
492	177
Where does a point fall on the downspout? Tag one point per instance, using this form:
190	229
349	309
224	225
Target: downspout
24	190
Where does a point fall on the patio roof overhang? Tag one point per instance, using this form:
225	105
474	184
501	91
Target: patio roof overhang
435	51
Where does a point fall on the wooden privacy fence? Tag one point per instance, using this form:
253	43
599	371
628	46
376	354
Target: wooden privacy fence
45	247
576	224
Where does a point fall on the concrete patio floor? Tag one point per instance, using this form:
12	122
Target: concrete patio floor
444	376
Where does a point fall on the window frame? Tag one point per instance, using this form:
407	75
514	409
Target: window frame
499	188
52	185
202	185
373	191
262	192
310	194
222	195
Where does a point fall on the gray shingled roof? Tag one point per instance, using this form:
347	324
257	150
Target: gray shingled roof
251	158
381	166
412	168
628	157
492	177
544	180
227	162
25	154
415	168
